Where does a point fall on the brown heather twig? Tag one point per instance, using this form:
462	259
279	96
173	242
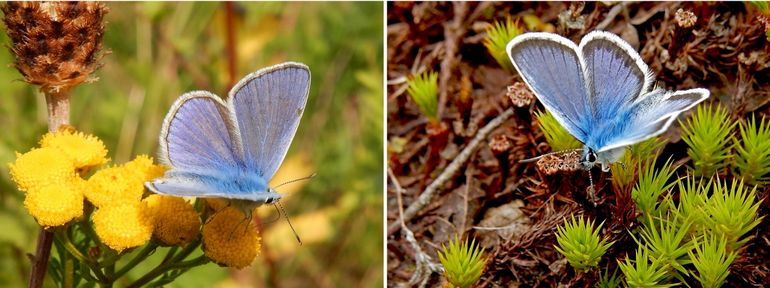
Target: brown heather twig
427	195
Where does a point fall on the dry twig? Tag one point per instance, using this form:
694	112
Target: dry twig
427	195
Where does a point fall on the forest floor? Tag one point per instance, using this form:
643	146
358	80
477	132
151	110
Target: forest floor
470	169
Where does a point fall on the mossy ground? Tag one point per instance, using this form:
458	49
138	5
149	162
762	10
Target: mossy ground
725	51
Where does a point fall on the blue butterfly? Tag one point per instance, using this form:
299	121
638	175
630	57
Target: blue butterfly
231	149
600	91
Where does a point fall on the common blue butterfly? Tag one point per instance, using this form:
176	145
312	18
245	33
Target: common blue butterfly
230	149
600	91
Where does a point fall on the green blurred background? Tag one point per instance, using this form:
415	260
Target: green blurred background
159	51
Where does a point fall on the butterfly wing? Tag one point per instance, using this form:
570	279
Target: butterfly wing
198	133
625	111
616	74
267	106
652	115
550	66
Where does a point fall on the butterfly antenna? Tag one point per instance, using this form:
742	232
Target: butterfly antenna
278	204
533	159
295	180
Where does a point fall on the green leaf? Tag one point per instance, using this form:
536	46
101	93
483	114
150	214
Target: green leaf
555	134
644	271
463	262
732	211
752	159
580	243
498	36
652	183
709	135
712	261
424	91
669	243
640	153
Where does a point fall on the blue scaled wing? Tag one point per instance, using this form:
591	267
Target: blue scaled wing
199	134
652	115
267	107
212	184
551	67
617	76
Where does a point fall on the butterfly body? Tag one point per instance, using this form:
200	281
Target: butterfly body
231	149
600	91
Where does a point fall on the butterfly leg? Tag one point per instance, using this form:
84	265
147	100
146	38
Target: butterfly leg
246	219
590	190
217	211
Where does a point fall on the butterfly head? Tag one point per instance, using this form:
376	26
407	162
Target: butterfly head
591	157
272	196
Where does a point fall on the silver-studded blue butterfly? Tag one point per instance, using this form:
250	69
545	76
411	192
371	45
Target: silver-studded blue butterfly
600	91
231	149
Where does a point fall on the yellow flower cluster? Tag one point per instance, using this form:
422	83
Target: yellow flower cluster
49	175
83	150
230	239
55	193
123	226
123	220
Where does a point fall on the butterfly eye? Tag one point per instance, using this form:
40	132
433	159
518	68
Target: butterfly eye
591	156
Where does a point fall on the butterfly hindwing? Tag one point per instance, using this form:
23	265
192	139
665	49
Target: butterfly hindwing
551	67
212	184
267	106
652	115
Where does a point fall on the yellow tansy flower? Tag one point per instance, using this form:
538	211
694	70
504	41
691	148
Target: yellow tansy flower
175	221
54	205
144	166
41	167
118	184
84	150
230	240
123	226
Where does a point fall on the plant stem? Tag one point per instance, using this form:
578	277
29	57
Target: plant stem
187	250
68	273
58	114
169	255
146	251
58	109
83	258
163	268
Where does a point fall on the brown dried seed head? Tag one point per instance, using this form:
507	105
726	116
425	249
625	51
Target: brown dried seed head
520	94
500	144
685	19
559	162
57	45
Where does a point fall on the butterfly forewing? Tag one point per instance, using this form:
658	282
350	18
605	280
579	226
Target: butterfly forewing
550	65
616	74
197	133
268	106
